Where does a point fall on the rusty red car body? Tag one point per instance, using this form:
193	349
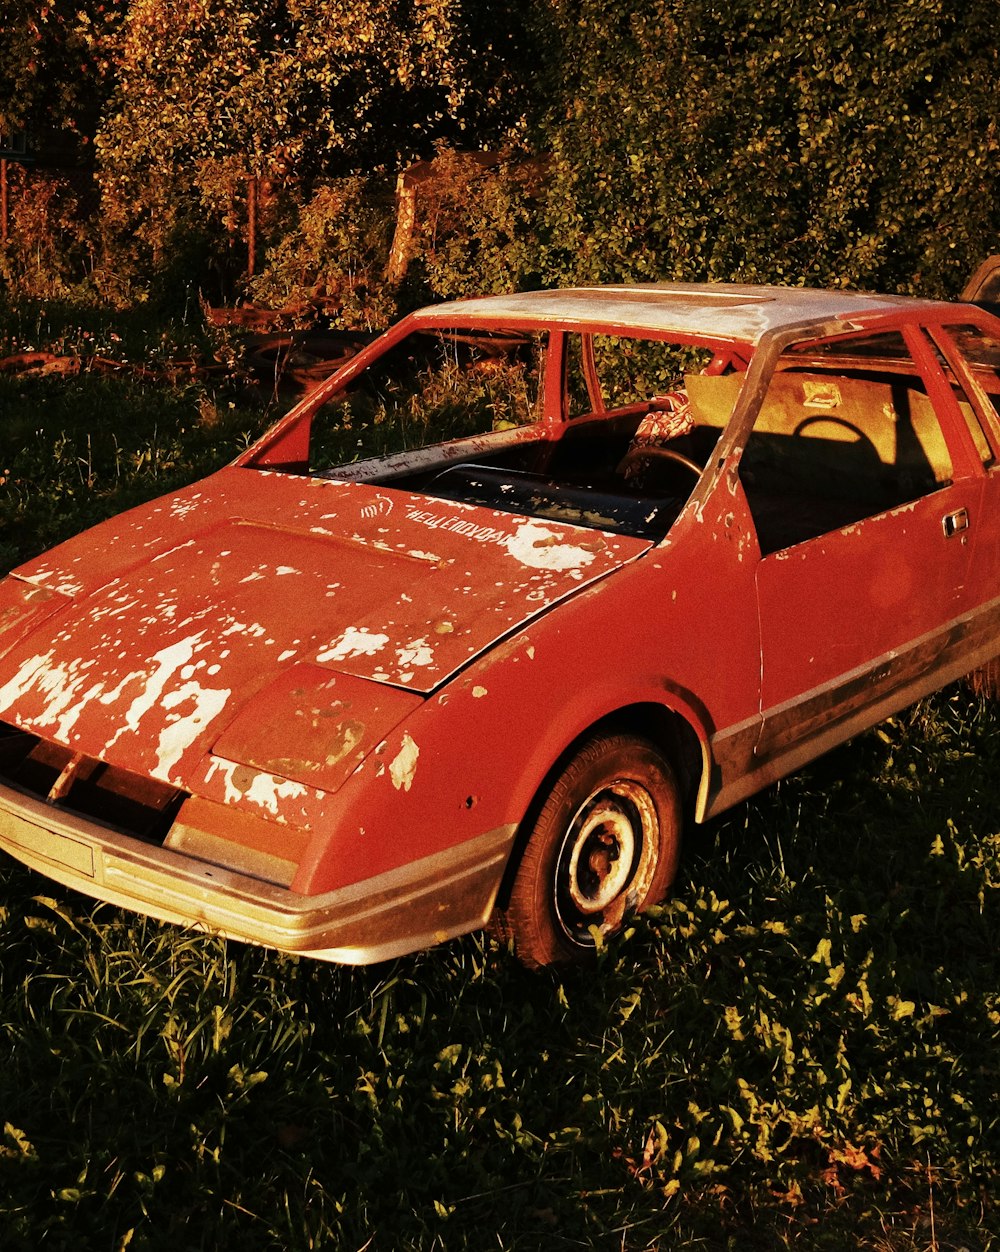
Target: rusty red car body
351	709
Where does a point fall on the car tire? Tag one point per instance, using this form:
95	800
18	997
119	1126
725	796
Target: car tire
985	681
605	843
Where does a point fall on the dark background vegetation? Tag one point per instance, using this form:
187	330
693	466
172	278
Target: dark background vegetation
802	1048
828	143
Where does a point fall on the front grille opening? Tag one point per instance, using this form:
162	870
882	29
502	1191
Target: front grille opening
87	787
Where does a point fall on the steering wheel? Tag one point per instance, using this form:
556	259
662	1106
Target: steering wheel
653	453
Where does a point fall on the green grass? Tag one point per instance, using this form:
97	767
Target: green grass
77	449
801	1049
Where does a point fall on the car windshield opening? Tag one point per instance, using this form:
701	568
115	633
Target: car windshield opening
605	431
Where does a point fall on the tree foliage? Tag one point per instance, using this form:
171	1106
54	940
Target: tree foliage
54	63
210	92
754	140
761	139
333	85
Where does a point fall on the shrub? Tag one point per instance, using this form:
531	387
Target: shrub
49	245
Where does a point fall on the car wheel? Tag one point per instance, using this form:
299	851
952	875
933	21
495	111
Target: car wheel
605	843
985	681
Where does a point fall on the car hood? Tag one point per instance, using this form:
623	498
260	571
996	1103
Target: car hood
142	640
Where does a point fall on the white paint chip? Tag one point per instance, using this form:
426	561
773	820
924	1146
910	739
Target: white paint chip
353	642
541	547
403	766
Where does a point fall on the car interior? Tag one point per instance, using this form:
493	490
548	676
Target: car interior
846	430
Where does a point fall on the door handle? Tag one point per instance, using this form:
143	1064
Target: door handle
952	523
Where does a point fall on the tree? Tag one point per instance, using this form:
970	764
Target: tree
55	64
832	144
213	92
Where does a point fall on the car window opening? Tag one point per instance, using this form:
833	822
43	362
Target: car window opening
972	366
462	416
845	431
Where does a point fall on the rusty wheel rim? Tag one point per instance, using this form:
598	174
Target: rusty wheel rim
606	861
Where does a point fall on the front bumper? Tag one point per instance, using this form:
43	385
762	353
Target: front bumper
401	911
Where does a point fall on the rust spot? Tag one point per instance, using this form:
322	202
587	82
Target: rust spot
243	777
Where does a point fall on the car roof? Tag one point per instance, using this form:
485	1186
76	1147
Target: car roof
712	310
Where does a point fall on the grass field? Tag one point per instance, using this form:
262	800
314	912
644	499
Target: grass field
801	1049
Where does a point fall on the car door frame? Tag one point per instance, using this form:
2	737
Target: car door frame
874	680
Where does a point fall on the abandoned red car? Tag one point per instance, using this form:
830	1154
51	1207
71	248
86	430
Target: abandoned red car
524	581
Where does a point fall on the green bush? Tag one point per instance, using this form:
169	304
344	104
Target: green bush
477	226
821	144
49	248
333	245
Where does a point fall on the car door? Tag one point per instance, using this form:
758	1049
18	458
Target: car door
864	502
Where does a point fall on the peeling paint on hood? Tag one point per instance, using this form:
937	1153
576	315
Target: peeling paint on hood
183	611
